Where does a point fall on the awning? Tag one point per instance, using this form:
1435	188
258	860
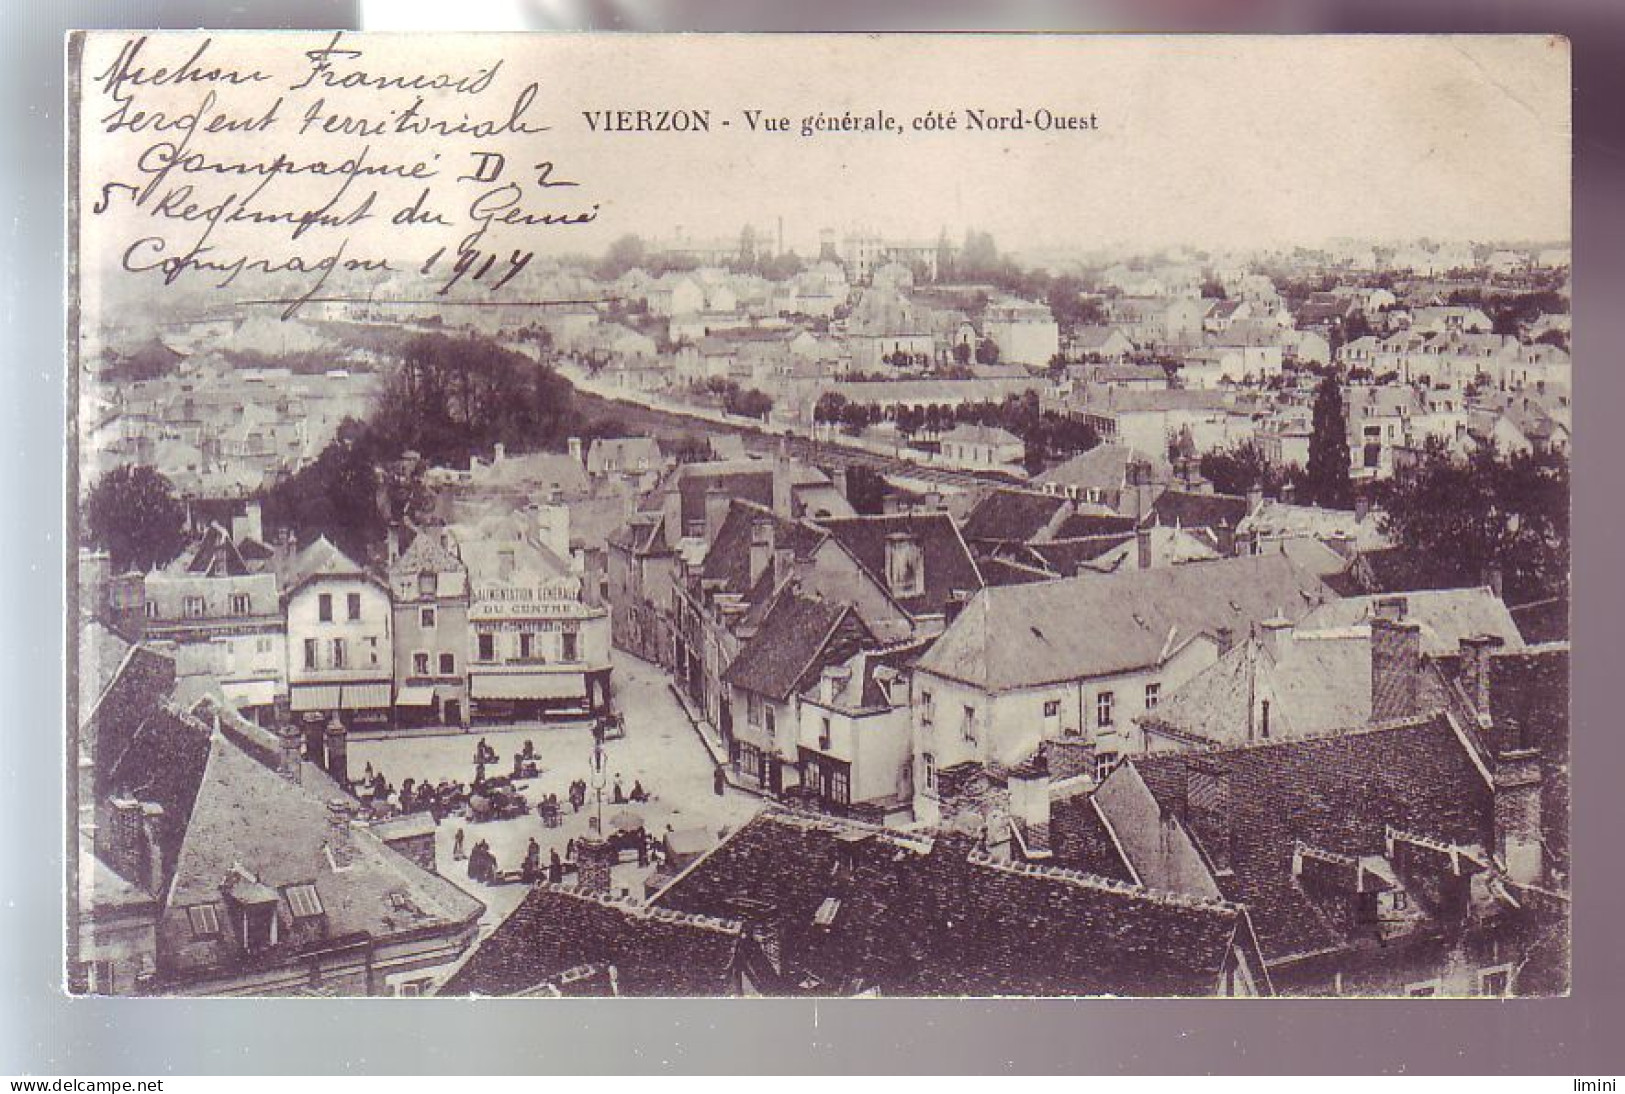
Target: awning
315	697
415	695
251	693
530	685
364	696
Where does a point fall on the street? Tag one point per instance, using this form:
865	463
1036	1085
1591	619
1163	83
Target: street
661	750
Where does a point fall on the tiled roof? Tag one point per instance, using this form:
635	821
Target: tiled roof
849	908
1012	516
101	653
555	929
1100	624
320	559
251	824
164	764
1188	509
796	638
948	564
425	554
1081	840
1085	524
1336	793
728	558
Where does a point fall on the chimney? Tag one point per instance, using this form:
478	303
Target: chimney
671	514
783	498
838	477
1362	508
1493	580
1029	786
716	511
339	843
1226	638
500	454
392	541
576	452
1275	635
290	750
784	564
1207	811
905	565
1392	608
761	549
249	525
1476	651
337	751
1255	500
957	599
1517	815
1396	667
1142	548
594	857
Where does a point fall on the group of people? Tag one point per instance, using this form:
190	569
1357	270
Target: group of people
531	870
638	794
482	862
416	796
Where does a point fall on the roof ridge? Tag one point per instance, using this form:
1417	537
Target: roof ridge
1087	880
798	818
632	906
1390	725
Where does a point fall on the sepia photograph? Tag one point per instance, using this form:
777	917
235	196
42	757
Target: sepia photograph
889	515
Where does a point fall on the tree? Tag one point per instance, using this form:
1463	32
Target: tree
1459	521
865	490
132	513
831	407
1328	481
987	353
962	353
1238	469
340	494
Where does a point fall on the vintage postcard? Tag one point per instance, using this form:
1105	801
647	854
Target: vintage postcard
887	515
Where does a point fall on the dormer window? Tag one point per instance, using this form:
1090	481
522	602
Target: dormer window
205	920
304	901
428	583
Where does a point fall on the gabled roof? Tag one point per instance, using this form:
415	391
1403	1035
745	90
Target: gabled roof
727	560
425	554
949	567
1190	509
555	930
1104	467
250	825
1012	516
855	908
1101	624
797	637
1338	794
321	559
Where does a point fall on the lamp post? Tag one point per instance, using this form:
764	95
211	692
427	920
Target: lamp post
595	823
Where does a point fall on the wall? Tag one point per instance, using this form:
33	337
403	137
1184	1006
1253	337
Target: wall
1155	844
374	624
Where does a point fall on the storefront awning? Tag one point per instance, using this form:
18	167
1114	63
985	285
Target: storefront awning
530	685
364	696
415	695
315	697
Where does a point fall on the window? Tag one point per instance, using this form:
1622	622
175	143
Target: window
824	739
569	646
967	724
340	654
840	787
98	977
768	721
304	902
928	709
310	653
1153	695
428	583
753	709
1104	762
411	989
488	647
426	618
420	664
241	604
371	643
324	607
448	664
1495	981
1103	709
527	645
262	645
928	771
194	607
205	920
1264	718
150	609
353	602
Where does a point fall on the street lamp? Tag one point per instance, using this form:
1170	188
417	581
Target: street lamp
595	823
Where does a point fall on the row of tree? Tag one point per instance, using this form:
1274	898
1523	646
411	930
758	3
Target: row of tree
1047	436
